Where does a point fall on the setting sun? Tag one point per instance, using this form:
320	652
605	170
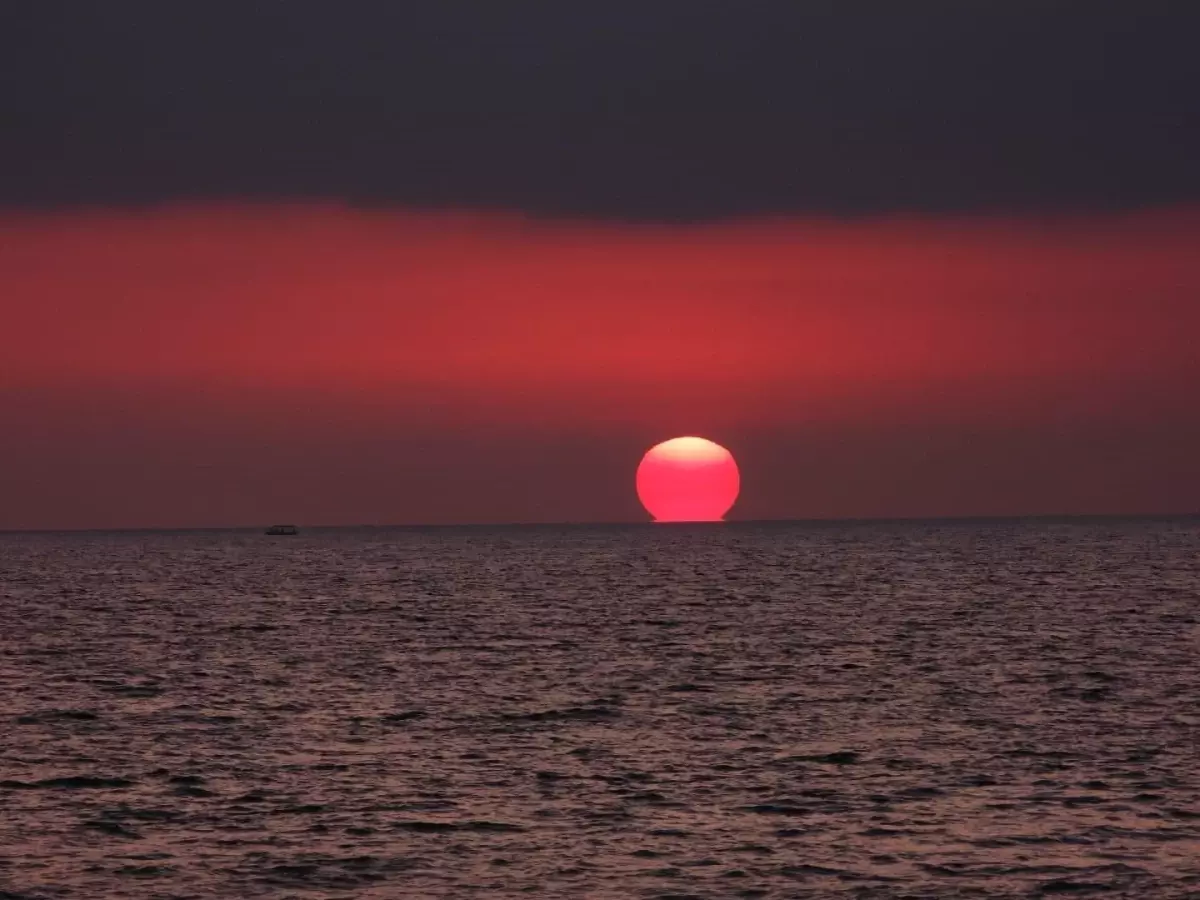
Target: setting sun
687	479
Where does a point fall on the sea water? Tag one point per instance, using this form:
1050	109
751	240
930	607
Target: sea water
919	709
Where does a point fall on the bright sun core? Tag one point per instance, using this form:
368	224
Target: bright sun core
687	479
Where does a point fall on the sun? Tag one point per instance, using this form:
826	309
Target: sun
688	479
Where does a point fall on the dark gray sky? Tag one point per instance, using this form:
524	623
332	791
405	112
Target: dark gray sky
649	109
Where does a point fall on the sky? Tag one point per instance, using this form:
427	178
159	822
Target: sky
450	262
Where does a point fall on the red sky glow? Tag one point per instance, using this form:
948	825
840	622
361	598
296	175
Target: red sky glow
407	366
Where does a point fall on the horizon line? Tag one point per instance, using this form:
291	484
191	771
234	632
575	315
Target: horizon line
610	523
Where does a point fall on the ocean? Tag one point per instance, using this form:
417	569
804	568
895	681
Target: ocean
866	710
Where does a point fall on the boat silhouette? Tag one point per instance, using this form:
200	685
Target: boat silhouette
283	530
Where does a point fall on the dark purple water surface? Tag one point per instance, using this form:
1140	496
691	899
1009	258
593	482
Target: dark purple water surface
874	711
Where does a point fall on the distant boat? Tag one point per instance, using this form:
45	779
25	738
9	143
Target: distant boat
283	529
